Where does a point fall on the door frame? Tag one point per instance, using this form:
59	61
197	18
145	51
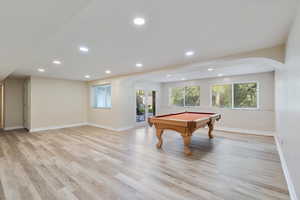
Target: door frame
146	106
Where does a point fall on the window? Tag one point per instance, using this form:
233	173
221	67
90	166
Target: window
222	96
236	95
101	96
192	96
245	95
185	96
177	96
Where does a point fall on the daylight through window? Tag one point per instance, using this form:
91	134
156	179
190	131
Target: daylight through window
101	96
236	95
185	96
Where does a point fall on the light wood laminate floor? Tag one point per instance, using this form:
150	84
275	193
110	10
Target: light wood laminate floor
90	163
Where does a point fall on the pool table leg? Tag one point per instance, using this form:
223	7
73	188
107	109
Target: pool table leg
159	133
187	141
210	129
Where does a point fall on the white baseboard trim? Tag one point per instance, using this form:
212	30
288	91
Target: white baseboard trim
79	124
287	175
252	132
125	128
111	128
56	127
13	128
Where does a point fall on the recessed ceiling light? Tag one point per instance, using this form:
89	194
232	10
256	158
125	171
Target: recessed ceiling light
139	21
107	71
183	79
83	49
41	70
56	62
189	53
139	65
87	76
168	75
210	69
220	75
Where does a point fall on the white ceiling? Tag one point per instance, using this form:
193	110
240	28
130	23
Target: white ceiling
222	68
34	33
25	25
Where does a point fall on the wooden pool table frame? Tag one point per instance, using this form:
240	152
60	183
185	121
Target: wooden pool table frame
184	127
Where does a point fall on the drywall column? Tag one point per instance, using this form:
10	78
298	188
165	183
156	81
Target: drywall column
1	105
287	84
13	99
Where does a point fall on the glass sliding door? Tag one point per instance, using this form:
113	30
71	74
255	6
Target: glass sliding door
140	106
151	100
145	105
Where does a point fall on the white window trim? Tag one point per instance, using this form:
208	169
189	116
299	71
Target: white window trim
92	97
232	95
184	106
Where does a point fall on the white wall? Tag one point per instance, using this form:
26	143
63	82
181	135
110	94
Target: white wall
55	102
122	113
13	103
1	105
112	117
261	121
27	104
287	81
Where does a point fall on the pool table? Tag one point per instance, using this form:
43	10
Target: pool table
185	123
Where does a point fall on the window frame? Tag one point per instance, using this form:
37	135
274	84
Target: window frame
232	95
92	99
184	106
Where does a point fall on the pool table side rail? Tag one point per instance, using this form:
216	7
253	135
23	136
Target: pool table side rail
166	115
175	122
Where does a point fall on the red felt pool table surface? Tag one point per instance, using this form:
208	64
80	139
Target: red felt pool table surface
186	116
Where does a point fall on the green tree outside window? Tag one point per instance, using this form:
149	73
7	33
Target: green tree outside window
245	95
185	96
192	96
222	96
177	96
